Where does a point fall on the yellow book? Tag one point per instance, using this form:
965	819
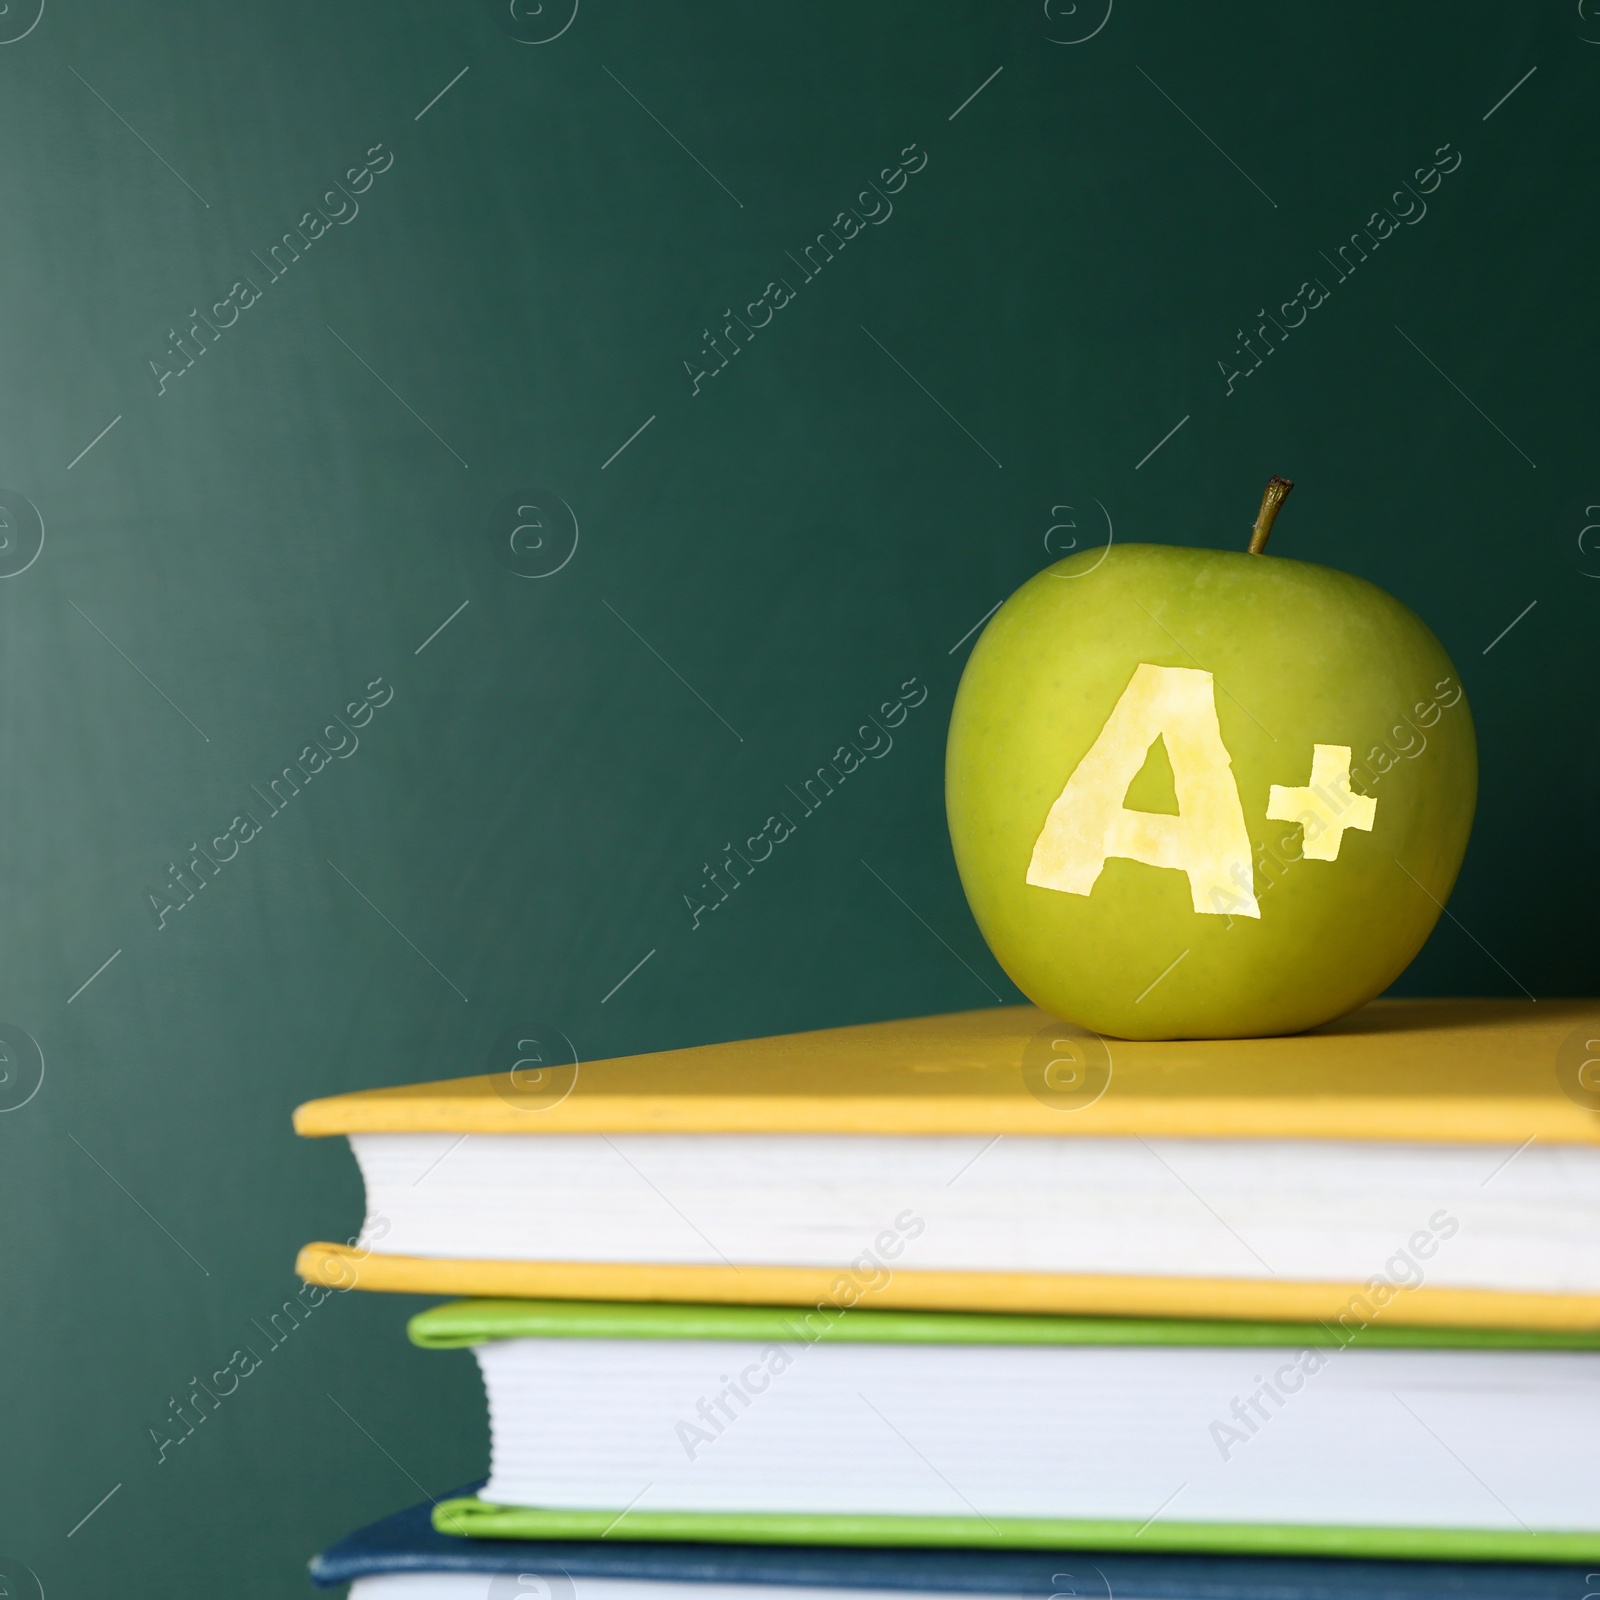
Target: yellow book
1419	1162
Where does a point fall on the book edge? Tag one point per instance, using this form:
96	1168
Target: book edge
474	1518
1224	1299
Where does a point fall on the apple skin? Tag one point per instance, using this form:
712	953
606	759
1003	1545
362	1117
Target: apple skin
1318	657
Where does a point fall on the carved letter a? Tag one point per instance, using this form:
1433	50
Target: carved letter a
1207	839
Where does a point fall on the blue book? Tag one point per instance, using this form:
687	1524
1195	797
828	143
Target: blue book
404	1558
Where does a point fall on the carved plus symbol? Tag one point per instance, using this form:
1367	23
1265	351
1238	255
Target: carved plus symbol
1326	806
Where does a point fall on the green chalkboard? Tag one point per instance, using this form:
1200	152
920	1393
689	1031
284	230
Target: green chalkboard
453	407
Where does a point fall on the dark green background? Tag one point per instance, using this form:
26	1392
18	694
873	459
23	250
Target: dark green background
797	540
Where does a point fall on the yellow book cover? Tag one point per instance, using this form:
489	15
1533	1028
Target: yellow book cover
1439	1156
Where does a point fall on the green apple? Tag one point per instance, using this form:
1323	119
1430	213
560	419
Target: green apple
1206	793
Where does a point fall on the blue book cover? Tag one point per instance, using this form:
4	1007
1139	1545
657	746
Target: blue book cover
409	1543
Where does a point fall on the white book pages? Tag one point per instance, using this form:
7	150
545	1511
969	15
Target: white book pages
1353	1436
1463	1216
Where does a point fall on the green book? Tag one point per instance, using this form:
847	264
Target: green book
757	1425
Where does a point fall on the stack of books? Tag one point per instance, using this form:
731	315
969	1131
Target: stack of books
982	1304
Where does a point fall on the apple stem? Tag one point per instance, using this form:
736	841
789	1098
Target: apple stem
1276	492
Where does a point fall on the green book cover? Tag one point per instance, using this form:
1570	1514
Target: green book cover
468	1322
477	1519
